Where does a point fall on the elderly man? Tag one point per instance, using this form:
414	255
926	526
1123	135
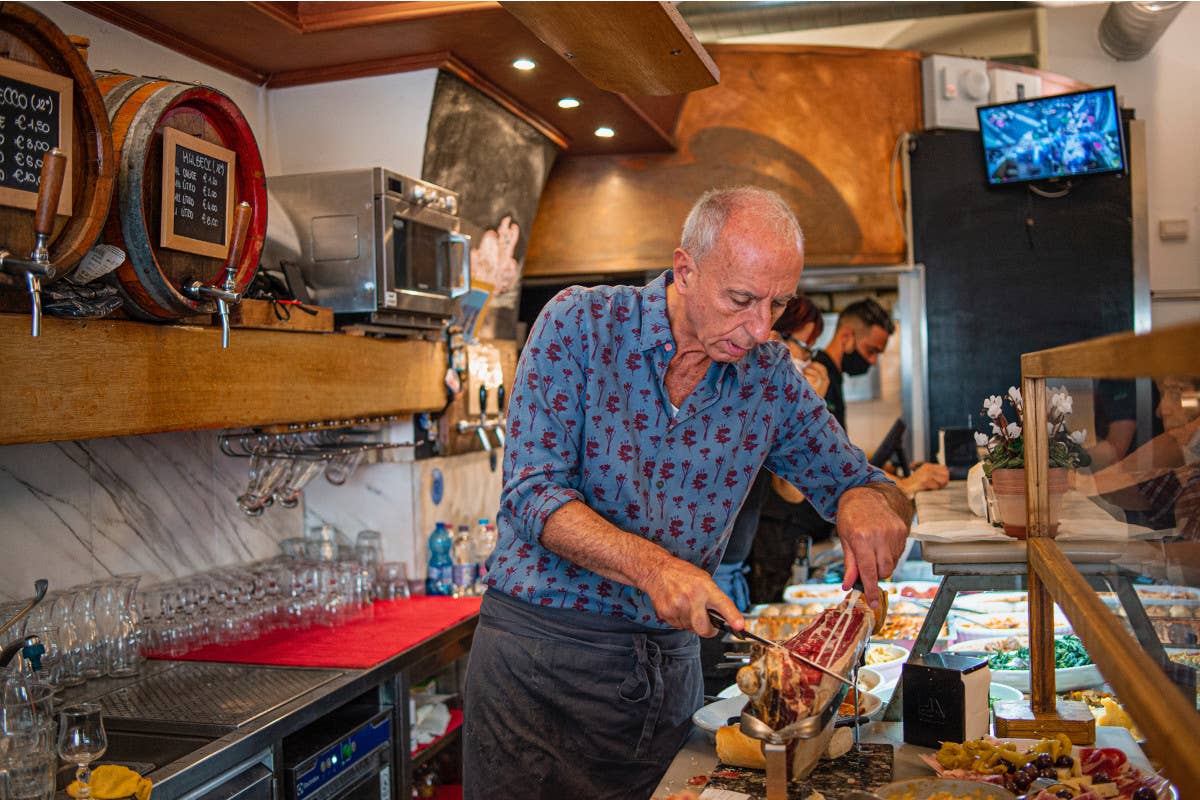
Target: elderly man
638	420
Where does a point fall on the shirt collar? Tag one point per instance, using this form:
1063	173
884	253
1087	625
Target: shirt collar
656	328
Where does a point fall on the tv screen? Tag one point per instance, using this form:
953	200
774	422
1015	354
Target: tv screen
1052	137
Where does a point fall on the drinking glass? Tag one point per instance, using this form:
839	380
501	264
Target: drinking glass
342	466
81	740
391	580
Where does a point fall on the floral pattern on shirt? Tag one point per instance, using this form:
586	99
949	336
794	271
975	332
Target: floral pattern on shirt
590	420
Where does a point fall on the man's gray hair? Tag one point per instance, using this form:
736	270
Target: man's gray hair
714	208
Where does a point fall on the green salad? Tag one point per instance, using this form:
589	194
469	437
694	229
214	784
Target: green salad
1068	652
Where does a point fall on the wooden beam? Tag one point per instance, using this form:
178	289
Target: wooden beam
1173	350
1166	717
357	69
623	47
122	17
88	379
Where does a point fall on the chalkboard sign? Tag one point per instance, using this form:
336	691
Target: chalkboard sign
35	117
197	196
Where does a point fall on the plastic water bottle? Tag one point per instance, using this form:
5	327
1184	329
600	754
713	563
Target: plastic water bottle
463	569
438	578
483	542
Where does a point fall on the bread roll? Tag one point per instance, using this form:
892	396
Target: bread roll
738	750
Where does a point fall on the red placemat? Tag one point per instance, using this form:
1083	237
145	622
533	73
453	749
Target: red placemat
389	627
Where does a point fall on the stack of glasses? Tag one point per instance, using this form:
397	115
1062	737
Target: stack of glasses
89	631
27	738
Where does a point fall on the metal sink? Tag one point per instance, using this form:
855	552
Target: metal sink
141	752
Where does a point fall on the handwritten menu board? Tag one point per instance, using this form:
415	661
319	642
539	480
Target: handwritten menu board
35	117
197	194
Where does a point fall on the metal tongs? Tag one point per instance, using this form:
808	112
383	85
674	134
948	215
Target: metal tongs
719	622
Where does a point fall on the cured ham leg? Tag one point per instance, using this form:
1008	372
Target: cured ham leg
783	691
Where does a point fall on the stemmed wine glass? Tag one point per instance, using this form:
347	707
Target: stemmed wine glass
81	740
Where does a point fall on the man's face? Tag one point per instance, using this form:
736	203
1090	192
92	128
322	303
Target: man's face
734	296
869	344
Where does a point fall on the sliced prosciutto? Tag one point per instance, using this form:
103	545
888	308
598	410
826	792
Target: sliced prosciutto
781	689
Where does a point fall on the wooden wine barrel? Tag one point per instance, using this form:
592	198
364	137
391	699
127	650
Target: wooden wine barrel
140	110
29	38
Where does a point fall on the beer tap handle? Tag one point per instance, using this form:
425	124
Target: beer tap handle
241	226
500	401
38	265
54	169
483	393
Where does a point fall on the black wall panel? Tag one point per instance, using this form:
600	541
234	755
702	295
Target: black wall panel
1009	272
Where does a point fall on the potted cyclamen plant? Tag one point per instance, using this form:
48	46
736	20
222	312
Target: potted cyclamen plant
1004	462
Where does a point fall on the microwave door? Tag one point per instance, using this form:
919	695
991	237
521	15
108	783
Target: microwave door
455	268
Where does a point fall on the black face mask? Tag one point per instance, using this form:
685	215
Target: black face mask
853	362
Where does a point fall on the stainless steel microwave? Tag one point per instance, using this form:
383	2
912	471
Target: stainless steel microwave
377	245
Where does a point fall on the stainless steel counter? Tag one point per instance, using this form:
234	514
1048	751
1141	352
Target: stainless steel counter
239	725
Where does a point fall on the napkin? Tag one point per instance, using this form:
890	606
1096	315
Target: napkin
114	782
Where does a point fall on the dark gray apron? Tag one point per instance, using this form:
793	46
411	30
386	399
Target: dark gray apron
568	705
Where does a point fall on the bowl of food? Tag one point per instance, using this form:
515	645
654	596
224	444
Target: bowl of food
989	626
886	660
1009	661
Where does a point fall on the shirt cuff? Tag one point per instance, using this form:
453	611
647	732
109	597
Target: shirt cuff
539	509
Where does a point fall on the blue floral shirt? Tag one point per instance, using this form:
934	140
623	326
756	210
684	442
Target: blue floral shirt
590	420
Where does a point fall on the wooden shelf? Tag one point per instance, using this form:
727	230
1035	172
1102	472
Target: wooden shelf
88	379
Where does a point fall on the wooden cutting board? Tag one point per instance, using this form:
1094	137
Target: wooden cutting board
868	768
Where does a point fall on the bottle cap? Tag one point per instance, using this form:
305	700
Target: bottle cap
483	521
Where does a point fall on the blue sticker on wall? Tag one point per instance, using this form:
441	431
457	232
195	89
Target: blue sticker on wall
439	487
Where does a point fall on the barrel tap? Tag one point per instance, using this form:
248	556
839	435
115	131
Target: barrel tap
501	421
38	266
226	293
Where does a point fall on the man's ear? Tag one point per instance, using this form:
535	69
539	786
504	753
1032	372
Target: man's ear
685	269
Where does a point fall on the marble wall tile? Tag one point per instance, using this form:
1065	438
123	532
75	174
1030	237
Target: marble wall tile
161	505
164	505
376	497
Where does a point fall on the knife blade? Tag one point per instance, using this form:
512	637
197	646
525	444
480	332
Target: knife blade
719	623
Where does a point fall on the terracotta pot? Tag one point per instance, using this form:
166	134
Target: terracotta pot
1009	487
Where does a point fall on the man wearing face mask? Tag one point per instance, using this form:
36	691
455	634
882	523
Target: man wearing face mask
862	333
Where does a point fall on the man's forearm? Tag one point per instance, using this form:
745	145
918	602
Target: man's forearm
578	533
897	500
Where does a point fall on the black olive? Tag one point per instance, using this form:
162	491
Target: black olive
1048	772
1044	760
1064	761
1021	781
1065	793
1145	793
1101	777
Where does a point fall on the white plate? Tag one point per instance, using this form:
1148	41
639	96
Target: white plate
1065	680
717	715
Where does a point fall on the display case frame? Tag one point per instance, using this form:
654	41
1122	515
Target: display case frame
1168	719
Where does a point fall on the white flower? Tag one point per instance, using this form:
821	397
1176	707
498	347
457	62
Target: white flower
994	405
996	431
1078	436
1013	430
981	439
1014	396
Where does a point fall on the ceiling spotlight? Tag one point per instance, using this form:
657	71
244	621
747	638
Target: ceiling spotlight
568	102
604	132
524	64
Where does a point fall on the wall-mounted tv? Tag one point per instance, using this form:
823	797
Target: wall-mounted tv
1053	137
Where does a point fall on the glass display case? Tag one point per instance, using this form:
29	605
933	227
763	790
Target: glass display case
1111	452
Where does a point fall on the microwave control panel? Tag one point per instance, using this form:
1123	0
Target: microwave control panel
421	193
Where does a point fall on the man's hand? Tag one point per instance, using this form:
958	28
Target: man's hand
683	593
924	477
873	535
